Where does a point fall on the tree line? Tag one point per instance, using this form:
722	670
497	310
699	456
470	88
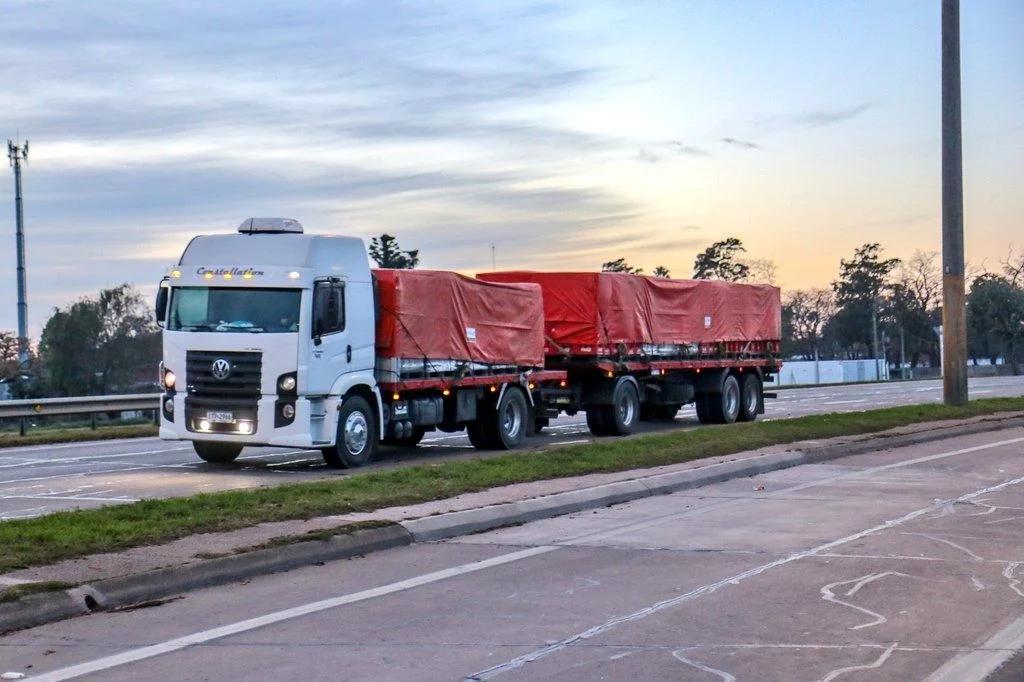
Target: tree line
876	307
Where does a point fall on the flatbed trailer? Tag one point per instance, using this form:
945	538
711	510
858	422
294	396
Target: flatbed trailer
638	349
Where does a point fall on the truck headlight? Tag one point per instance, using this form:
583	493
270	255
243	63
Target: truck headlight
169	379
169	406
286	384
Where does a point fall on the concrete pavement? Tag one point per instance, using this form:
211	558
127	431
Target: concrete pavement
896	564
37	480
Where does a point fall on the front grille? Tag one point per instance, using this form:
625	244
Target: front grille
242	381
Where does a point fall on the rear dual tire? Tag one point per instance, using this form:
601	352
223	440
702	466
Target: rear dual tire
409	441
501	426
621	417
737	401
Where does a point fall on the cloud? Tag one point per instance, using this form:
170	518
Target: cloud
744	144
816	118
647	156
688	149
154	122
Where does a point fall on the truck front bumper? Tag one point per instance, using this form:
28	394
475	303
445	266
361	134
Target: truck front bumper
313	426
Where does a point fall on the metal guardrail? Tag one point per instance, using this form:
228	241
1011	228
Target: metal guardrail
91	405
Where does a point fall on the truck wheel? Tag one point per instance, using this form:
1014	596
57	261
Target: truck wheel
409	441
539	424
725	406
621	417
216	453
750	398
595	421
502	427
356	443
703	405
510	425
477	437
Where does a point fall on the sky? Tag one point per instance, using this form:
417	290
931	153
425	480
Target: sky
563	133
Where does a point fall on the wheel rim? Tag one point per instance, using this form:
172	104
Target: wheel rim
627	410
751	398
356	432
511	419
732	399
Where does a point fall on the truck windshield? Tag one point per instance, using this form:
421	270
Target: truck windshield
209	309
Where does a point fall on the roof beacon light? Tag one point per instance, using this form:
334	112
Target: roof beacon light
270	226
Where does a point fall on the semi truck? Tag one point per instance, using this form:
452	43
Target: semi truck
276	337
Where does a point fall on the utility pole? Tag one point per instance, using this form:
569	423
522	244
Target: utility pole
16	155
954	309
493	266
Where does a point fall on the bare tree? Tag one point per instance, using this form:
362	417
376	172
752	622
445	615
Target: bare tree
807	311
761	270
8	355
1013	266
921	276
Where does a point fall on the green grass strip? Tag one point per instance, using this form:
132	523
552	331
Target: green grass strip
75	434
64	535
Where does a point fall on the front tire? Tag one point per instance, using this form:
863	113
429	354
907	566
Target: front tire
216	453
356	443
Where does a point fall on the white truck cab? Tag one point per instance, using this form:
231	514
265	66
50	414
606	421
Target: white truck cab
268	339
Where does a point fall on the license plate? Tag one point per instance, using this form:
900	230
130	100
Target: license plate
220	417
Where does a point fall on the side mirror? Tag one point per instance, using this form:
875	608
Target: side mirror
162	294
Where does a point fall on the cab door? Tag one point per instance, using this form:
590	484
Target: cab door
331	349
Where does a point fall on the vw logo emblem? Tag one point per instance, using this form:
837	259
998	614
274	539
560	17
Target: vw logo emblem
220	369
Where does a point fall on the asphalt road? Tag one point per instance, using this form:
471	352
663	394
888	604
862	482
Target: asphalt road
893	565
37	480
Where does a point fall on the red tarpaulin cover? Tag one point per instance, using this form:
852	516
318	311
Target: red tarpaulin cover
446	316
587	310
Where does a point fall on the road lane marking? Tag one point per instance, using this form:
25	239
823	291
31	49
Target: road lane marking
714	506
711	588
133	655
979	663
72	460
81	444
74	498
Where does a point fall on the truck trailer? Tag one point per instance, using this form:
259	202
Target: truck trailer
276	337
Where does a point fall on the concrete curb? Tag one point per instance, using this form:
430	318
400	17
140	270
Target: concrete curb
45	607
37	609
488	518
